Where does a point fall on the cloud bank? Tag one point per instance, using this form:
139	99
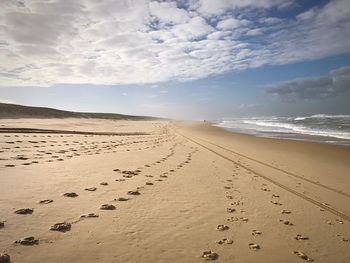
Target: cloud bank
140	41
336	83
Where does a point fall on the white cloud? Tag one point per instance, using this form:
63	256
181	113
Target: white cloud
218	7
194	28
219	35
231	23
270	20
255	32
320	35
336	83
141	41
161	10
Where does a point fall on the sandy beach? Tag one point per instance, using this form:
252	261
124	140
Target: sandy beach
161	191
172	131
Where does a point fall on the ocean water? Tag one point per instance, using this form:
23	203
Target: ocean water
320	128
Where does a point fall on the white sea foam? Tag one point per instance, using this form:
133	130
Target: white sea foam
336	126
300	118
330	116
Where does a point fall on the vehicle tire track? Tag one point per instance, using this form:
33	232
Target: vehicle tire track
311	200
279	169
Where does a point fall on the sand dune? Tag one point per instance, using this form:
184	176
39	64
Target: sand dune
14	111
158	191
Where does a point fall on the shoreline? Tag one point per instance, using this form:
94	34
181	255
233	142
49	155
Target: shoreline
329	140
328	129
248	135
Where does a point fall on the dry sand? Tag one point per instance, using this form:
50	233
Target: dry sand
176	191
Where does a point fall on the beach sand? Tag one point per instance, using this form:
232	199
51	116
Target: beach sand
173	192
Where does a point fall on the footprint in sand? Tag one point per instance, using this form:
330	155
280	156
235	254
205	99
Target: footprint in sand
21	158
27	241
91	189
122	199
339	221
71	194
24	211
237	203
225	241
232	219
107	207
286	211
254	246
2	224
275	203
90	215
104	183
133	192
5	258
329	222
303	256
46	201
343	238
61	227
210	255
119	180
230	210
10	165
222	227
301	237
256	232
286	222
149	183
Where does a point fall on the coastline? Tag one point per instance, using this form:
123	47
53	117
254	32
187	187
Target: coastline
294	137
332	129
190	177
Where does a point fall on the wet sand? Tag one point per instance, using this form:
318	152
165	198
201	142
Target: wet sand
156	191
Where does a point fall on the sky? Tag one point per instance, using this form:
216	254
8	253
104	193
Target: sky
194	59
